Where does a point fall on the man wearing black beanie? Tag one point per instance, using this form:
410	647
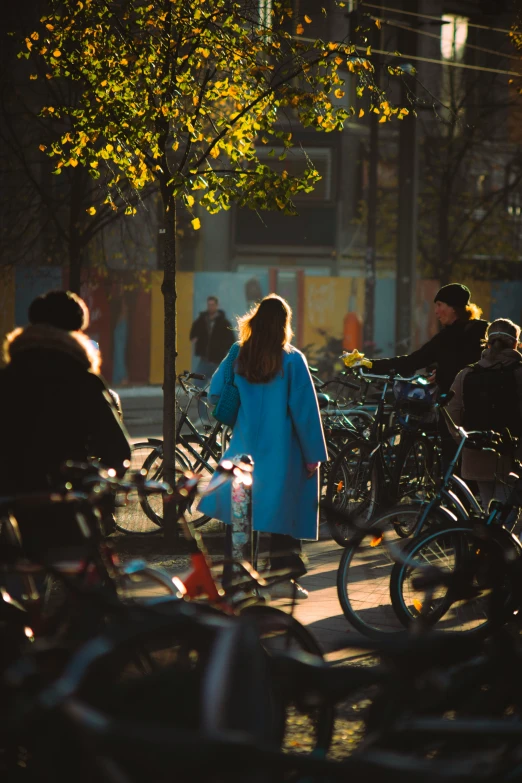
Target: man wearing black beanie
456	345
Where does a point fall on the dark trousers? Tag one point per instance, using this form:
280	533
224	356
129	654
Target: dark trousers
285	554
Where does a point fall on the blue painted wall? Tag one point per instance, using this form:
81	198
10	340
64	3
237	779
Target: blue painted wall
30	283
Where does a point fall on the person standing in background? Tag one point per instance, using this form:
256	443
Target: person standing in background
212	336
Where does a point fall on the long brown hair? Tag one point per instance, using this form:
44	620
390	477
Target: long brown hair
264	332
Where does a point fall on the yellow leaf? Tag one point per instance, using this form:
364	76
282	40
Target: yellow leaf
378	23
361	113
49	26
190	200
91	210
35	36
94	164
214	151
307	19
42	147
417	604
383	119
33	76
196	224
376	540
300	29
73	162
56	53
339	93
368	51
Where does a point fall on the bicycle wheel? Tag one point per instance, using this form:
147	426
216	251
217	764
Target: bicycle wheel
480	562
132	518
352	488
153	504
202	464
305	729
363	576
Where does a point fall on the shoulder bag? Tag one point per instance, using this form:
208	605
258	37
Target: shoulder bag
229	401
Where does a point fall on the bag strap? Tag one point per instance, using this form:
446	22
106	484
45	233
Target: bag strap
229	366
512	366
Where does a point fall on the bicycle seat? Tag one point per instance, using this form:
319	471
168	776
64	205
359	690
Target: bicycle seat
323	400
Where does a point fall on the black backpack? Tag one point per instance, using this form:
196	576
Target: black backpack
491	401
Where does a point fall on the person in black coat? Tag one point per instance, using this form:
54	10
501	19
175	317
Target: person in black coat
458	344
212	337
54	407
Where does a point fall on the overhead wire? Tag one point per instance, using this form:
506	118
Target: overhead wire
418	58
450	63
433	18
401	26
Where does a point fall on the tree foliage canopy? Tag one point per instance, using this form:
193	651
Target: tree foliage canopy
185	92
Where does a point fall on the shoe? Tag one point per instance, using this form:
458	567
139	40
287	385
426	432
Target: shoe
288	589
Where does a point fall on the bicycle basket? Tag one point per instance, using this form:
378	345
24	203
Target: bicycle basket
415	403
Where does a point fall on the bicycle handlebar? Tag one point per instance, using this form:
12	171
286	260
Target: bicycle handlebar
389	377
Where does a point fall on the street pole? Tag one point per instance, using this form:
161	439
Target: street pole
371	234
408	176
370	270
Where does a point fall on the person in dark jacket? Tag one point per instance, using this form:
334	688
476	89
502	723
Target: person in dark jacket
458	344
487	405
212	337
54	407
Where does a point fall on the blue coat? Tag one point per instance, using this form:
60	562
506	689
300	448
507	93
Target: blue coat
279	425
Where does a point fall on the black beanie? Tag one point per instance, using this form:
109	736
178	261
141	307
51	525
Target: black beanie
454	295
61	309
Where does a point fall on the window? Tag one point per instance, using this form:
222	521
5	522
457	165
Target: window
295	163
454	34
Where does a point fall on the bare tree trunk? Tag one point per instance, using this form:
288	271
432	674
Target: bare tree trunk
75	245
75	266
445	262
168	289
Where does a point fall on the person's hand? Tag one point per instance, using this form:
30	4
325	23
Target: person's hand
311	468
355	359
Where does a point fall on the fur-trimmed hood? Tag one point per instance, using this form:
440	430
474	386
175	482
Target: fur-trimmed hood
49	338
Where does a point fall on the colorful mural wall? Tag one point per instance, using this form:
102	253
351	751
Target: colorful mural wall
127	313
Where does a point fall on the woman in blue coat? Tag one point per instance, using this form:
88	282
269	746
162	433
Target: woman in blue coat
279	425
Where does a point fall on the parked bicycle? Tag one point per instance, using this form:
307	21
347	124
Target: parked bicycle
394	461
197	448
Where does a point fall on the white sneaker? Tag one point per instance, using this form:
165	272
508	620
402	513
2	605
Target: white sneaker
289	589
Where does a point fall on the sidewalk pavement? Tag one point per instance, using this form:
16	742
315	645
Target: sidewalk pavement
322	612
